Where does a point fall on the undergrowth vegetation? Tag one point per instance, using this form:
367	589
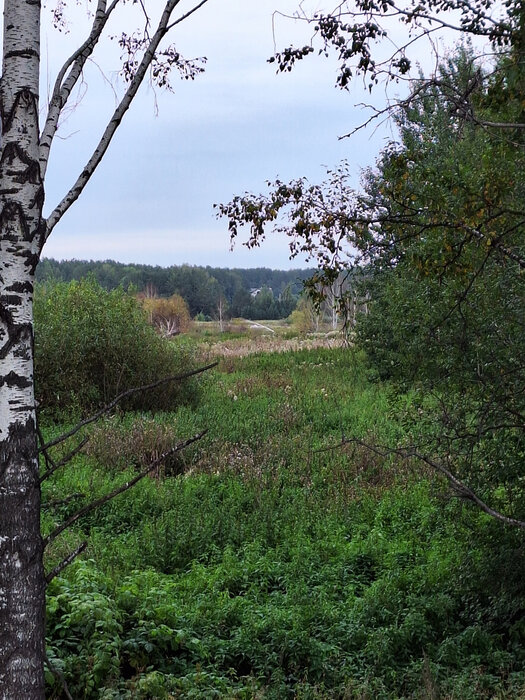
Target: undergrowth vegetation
91	344
266	562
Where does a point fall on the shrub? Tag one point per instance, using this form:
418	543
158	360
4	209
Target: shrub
135	440
304	319
169	316
91	344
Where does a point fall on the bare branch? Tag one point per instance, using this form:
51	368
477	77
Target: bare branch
50	464
68	77
124	395
500	125
84	177
422	86
62	501
458	486
121	489
67	458
65	562
59	676
186	15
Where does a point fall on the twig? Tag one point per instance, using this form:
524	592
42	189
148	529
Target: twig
461	489
54	466
121	109
121	489
59	676
120	397
47	457
65	562
62	501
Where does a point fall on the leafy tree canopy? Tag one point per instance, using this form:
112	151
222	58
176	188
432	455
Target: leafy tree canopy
439	229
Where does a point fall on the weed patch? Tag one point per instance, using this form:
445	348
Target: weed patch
271	564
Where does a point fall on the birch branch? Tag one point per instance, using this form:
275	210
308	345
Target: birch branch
68	77
124	395
99	152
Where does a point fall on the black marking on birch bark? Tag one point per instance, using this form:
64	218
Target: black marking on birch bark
15	336
38	199
31	174
20	287
12	152
11	299
5	315
19	436
13	212
22	53
23	352
32	259
22	618
40	239
12	379
24	95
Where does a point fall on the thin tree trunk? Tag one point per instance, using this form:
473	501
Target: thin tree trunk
22	584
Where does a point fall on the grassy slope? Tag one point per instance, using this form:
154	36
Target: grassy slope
275	568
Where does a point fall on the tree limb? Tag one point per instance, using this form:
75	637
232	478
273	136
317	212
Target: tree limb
67	458
458	486
497	246
59	676
121	489
65	562
62	501
120	397
66	81
118	114
186	15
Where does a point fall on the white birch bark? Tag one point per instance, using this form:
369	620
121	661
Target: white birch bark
23	231
21	236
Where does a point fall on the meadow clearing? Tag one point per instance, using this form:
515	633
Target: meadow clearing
268	561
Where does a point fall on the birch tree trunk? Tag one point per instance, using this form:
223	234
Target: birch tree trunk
23	231
22	584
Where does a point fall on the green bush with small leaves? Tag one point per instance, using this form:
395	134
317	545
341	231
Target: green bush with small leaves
91	344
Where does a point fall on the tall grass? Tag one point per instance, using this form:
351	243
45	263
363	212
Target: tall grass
276	566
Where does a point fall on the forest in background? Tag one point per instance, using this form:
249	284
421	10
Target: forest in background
202	288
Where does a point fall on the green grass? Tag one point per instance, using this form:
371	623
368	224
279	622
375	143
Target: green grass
276	567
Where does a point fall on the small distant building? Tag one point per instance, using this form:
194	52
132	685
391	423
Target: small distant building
255	291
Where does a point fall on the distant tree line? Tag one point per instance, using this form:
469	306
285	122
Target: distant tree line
257	293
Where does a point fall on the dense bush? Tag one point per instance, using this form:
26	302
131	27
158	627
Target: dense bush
120	442
91	344
169	316
385	600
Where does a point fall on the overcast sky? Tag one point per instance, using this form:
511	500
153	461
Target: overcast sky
175	155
